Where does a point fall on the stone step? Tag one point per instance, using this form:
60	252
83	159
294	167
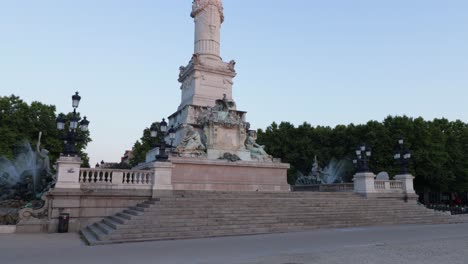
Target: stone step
133	212
256	220
204	214
311	213
297	223
88	236
241	230
106	229
96	232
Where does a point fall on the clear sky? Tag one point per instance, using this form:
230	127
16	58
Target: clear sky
325	62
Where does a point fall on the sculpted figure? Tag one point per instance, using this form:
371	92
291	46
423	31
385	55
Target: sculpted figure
42	160
256	151
232	65
192	143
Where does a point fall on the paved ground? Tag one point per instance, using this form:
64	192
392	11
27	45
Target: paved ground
396	244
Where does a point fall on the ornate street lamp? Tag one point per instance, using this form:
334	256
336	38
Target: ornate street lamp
363	154
71	138
402	157
172	135
160	129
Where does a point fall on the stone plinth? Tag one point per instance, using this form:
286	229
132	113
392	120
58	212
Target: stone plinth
218	175
7	229
162	176
407	180
364	183
68	172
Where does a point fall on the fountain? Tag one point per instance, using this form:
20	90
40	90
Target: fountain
335	172
23	180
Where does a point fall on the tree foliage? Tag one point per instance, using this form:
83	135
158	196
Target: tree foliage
142	146
439	148
20	121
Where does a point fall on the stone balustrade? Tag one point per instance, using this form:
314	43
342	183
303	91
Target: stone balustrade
116	178
388	186
365	183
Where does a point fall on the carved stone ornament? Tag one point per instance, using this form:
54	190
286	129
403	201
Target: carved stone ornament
221	117
230	157
199	5
192	144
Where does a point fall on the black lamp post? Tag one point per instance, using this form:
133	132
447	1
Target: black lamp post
402	157
71	136
363	154
161	127
172	136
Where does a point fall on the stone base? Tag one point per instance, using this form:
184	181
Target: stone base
220	175
33	226
7	229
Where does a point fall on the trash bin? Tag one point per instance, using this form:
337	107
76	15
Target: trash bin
63	223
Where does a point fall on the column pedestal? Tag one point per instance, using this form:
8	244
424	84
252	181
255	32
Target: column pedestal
68	173
407	180
364	183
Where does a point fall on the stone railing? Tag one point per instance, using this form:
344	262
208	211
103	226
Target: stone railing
118	178
388	186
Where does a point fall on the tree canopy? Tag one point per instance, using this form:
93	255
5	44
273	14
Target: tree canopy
439	148
21	122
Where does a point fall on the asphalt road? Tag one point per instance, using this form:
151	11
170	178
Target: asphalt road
412	244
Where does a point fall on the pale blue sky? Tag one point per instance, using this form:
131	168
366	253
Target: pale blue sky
325	62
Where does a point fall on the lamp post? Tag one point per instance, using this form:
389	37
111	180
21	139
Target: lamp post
71	138
402	157
157	128
363	154
172	136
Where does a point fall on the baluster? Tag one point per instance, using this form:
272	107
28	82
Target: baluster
139	178
95	176
127	177
110	176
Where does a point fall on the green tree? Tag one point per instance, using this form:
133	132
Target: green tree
142	146
20	121
439	148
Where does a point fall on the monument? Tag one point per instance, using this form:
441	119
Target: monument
207	106
211	134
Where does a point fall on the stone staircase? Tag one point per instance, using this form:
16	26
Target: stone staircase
185	215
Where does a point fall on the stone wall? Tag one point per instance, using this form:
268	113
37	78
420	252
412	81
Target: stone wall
219	175
85	206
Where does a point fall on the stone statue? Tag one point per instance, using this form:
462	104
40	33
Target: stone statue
199	5
224	104
191	144
195	59
181	71
42	160
256	151
232	65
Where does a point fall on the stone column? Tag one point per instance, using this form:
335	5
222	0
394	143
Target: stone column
208	17
68	173
162	180
407	180
364	183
